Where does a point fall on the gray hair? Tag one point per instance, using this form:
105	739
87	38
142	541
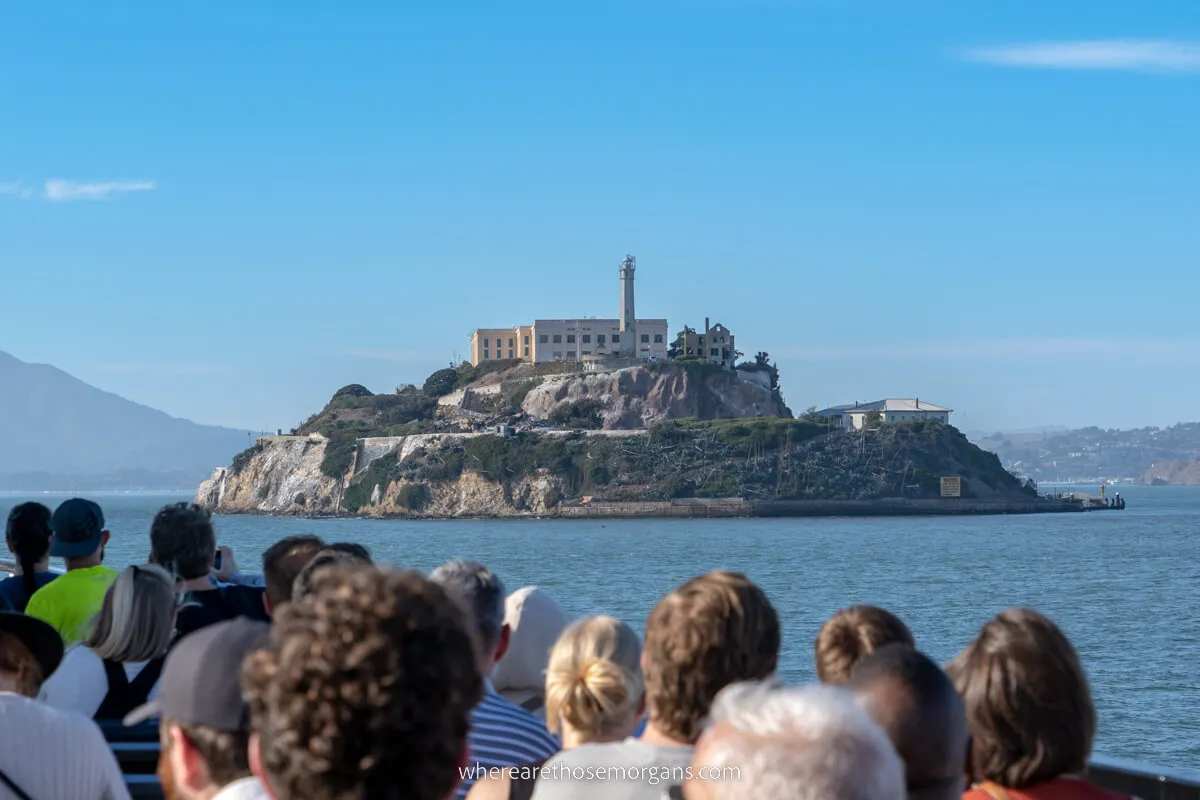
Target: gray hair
481	590
810	743
137	618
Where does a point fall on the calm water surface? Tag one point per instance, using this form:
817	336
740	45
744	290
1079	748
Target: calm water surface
1122	585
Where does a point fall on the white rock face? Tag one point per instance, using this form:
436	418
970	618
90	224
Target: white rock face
638	397
272	481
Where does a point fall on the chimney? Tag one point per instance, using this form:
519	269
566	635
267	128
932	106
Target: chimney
856	404
918	402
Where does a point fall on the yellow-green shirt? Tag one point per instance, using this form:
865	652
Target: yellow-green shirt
69	602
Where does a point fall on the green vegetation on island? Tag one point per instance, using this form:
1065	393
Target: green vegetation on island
752	459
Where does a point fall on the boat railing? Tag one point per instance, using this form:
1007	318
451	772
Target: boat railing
1143	780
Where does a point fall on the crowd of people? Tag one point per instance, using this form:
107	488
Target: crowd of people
327	677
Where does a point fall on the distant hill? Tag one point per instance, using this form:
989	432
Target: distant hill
57	432
1146	455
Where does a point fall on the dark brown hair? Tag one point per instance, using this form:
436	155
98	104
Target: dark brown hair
365	689
851	635
224	752
1027	701
715	630
16	658
182	540
283	561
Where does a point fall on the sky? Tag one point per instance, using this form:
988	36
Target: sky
227	211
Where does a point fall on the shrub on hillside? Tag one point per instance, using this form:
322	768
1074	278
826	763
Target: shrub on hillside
440	383
583	414
242	459
352	390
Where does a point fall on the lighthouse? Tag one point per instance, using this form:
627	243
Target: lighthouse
629	345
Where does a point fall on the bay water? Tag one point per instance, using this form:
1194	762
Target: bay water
1125	586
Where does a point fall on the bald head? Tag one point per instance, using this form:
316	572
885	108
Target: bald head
914	702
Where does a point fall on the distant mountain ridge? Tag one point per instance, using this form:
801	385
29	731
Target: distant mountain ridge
58	429
1143	455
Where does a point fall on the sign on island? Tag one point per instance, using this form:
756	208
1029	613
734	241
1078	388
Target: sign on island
952	486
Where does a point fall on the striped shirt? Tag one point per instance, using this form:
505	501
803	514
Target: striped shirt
502	735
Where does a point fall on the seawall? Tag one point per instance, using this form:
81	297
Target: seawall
734	507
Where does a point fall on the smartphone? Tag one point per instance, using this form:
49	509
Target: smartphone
217	561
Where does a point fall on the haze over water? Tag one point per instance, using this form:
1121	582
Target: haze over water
1122	585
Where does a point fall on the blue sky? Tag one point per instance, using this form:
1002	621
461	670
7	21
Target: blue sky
227	212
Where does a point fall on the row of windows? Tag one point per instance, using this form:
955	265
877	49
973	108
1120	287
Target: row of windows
488	353
587	338
500	342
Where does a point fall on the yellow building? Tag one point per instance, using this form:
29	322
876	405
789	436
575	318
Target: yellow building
492	344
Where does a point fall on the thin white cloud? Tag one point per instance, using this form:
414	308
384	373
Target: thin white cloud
60	190
15	189
1042	349
1135	55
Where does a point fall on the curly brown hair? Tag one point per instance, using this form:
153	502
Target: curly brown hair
712	631
851	635
1027	699
365	689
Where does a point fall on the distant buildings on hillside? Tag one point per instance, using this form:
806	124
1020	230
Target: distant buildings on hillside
893	409
600	342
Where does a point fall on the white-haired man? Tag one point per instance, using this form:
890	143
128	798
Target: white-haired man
810	743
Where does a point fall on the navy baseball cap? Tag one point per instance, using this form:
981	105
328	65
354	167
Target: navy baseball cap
78	527
202	677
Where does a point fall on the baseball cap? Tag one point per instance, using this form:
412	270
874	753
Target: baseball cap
78	526
202	677
38	637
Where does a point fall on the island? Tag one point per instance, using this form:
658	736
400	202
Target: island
678	438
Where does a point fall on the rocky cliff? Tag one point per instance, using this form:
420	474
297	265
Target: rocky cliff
281	477
639	397
1172	472
541	473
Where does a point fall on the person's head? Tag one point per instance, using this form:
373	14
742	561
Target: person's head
30	651
137	617
483	593
712	631
535	621
353	548
1028	705
365	689
852	634
594	683
910	697
79	535
810	743
303	585
27	534
182	541
282	562
204	723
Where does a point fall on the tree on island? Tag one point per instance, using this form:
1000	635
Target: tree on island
872	420
441	383
678	348
762	359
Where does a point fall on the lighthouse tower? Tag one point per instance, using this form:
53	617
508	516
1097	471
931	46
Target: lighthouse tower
629	347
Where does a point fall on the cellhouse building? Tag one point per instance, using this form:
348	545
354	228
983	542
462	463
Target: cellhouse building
573	339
